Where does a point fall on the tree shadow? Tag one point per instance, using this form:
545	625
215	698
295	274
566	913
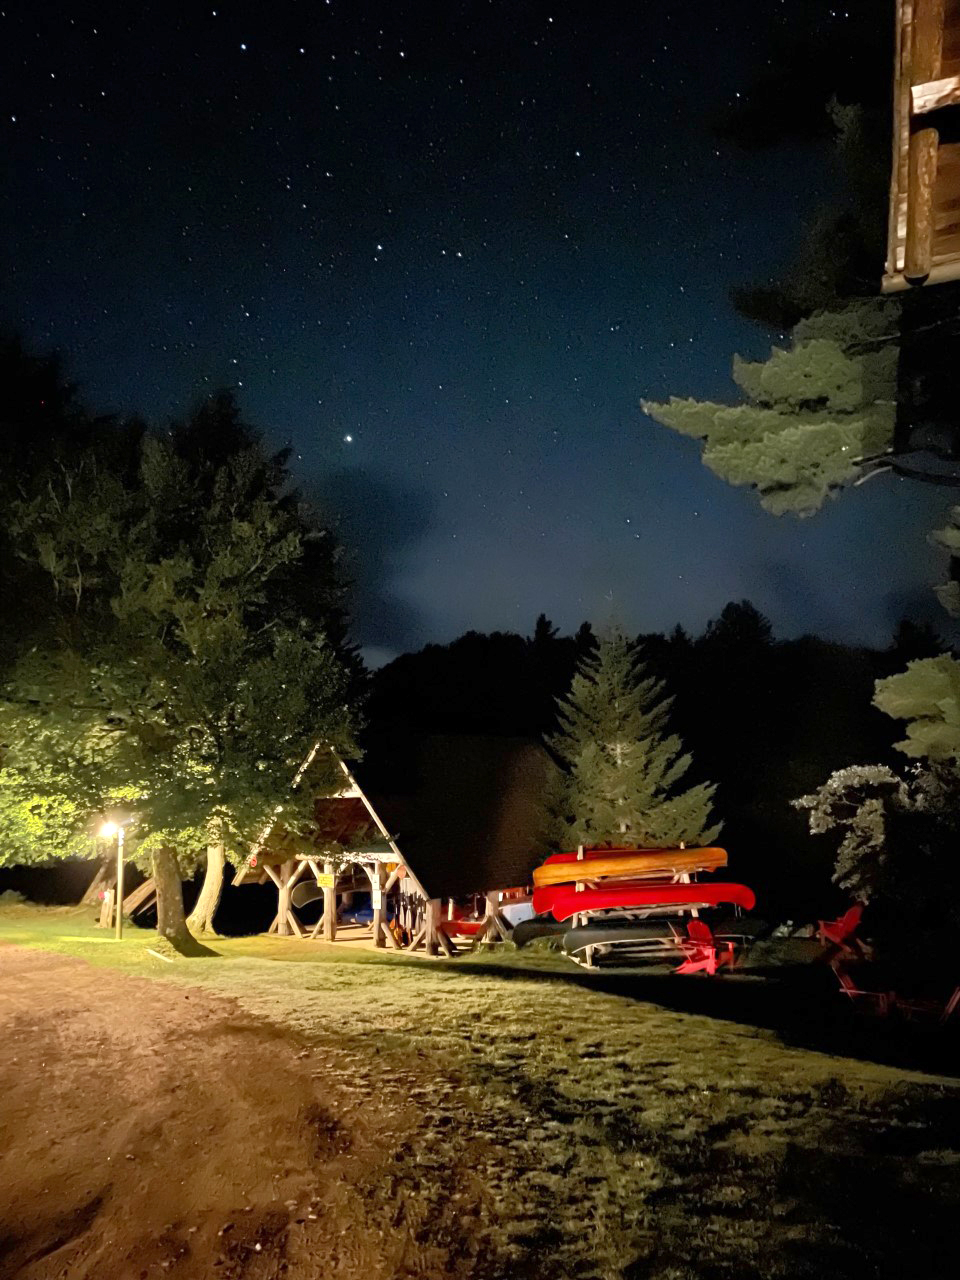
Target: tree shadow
800	1004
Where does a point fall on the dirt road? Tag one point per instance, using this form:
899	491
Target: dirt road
148	1131
255	1119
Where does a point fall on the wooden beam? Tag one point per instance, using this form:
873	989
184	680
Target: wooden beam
283	898
138	899
924	142
502	927
432	921
377	896
379	824
390	936
106	909
935	94
329	907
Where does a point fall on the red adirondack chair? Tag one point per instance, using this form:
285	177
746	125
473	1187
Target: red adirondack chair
880	1001
951	1006
841	933
703	952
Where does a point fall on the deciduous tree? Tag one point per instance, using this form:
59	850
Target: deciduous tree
189	670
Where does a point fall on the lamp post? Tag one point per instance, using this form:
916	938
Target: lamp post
116	829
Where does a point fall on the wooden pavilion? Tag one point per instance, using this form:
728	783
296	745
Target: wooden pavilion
437	829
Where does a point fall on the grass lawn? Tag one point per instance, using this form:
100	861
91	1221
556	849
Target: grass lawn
569	1128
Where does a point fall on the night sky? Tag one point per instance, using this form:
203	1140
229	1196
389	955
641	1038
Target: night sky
445	251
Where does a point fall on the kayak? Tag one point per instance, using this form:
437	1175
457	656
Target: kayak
563	901
647	933
563	868
539	927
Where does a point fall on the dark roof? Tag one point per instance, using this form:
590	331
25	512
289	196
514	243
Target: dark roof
466	811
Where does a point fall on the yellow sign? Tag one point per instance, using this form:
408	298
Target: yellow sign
326	880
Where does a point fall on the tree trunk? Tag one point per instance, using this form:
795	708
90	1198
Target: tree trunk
200	919
171	923
105	878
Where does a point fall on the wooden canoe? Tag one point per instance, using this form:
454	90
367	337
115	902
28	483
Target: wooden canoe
563	901
566	868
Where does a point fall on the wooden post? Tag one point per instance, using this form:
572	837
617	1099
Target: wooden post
379	905
431	939
119	930
329	907
491	910
106	909
924	142
283	898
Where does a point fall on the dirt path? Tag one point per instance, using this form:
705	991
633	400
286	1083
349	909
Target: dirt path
255	1120
147	1131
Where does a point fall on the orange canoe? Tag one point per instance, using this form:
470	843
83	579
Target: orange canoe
566	868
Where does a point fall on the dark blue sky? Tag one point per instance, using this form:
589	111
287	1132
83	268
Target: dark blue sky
445	251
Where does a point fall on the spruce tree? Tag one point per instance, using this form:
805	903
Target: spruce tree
623	768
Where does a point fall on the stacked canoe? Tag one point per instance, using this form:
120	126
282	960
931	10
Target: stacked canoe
630	904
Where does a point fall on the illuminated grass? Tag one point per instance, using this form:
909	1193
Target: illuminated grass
570	1131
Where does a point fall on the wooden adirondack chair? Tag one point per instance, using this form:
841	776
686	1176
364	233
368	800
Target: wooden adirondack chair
703	952
841	933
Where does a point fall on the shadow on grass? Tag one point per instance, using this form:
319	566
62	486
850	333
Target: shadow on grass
801	1005
875	1200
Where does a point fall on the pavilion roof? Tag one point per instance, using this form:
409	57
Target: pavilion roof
465	812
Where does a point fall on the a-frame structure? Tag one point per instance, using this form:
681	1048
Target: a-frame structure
439	831
348	823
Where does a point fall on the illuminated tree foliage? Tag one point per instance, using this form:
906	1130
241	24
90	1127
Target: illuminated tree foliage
898	856
927	697
857	802
39	826
900	833
623	769
814	411
189	665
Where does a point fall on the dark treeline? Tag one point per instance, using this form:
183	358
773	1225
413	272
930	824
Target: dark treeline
766	720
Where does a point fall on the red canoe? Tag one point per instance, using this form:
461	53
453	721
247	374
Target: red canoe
563	901
466	928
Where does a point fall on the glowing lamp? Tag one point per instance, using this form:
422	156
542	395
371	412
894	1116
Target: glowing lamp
109	830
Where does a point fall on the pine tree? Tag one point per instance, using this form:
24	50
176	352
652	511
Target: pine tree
623	768
927	696
814	411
